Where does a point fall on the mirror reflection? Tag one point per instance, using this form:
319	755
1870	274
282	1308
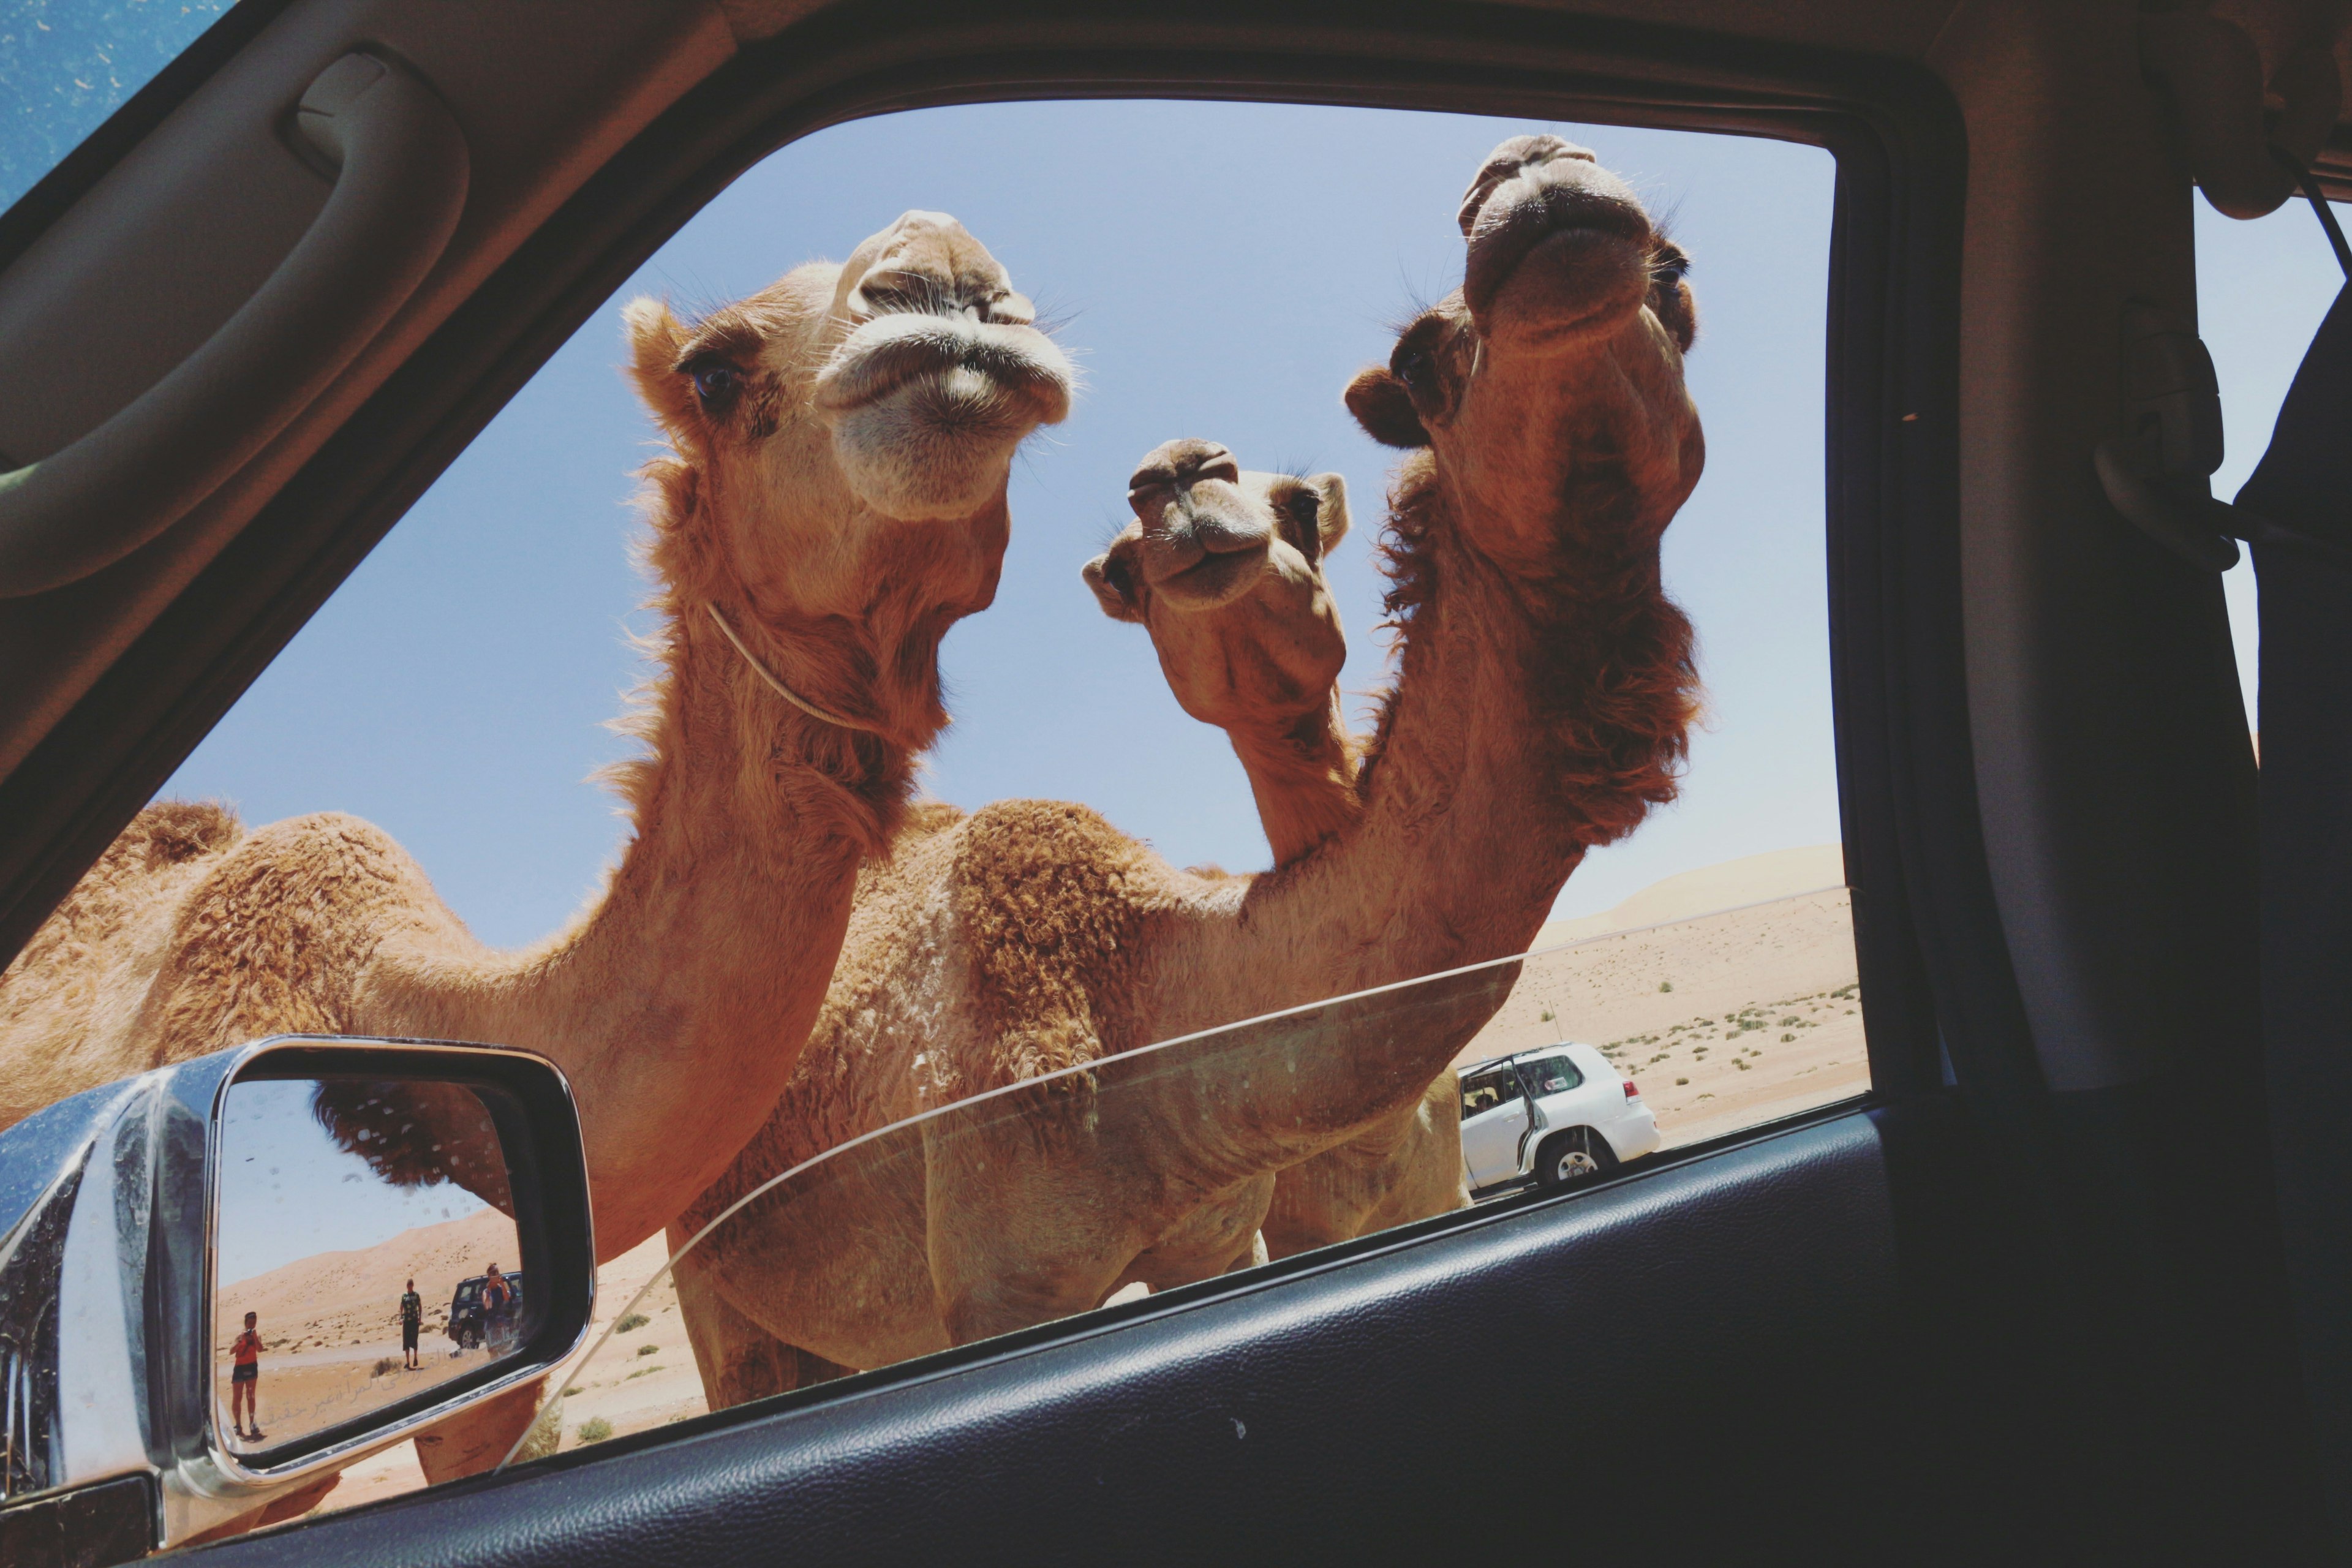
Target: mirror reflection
365	1252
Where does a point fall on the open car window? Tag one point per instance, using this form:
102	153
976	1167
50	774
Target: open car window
1191	336
1034	1201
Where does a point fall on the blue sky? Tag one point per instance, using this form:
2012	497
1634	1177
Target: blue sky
288	1192
1220	271
2261	289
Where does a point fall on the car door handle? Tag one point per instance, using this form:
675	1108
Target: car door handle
402	173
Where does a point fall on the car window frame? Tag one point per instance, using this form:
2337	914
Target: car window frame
1913	841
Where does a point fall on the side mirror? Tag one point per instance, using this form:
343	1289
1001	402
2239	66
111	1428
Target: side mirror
222	1279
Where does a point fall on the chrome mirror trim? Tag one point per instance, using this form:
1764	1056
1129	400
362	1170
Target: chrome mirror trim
108	1266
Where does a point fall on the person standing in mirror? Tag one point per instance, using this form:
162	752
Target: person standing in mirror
498	1305
412	1318
244	1381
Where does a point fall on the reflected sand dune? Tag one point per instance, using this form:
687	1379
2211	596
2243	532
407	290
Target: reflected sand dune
331	1324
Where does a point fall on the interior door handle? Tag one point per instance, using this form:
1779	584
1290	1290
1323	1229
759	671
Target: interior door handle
400	182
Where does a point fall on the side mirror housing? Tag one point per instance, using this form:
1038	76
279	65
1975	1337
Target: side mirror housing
406	1223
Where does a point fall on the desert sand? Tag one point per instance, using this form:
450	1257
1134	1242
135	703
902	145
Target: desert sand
629	1390
1722	1019
330	1322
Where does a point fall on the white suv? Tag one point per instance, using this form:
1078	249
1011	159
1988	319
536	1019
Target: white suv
1557	1114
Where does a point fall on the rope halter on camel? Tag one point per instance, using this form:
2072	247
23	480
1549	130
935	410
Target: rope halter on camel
780	689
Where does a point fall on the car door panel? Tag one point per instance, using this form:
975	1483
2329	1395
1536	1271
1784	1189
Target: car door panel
1758	1285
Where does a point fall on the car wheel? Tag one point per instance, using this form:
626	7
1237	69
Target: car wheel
1573	1158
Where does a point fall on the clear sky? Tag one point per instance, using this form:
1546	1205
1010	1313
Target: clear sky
1220	271
288	1191
2261	289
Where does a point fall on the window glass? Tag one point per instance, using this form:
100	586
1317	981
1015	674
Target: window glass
2262	287
66	65
1271	756
1549	1075
1487	1091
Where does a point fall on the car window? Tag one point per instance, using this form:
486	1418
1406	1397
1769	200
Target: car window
2262	286
1267	804
66	65
1549	1075
1487	1091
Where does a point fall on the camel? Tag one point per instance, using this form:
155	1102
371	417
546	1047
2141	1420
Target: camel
1001	967
831	500
1257	681
1256	651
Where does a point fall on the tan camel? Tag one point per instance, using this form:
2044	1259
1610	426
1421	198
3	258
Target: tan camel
833	501
1544	689
1256	651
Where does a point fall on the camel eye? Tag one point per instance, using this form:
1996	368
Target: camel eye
1417	370
1300	510
1668	270
715	383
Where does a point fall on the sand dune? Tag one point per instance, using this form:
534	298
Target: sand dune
1681	1006
331	1323
337	1298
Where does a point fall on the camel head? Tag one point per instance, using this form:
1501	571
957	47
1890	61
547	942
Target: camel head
1224	569
841	443
1548	388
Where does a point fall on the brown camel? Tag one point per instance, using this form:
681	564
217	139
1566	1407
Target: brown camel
833	501
1256	651
1544	689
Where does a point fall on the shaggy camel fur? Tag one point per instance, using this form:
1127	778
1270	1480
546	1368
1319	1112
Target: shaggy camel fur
1544	689
835	488
1224	569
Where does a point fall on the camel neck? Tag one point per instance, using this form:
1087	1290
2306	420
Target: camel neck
1303	777
678	1003
1527	725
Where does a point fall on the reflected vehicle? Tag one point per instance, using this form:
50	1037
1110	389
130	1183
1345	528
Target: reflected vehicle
334	1194
1555	1115
471	1322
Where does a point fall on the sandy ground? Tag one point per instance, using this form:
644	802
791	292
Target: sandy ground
629	1390
1724	1019
329	1321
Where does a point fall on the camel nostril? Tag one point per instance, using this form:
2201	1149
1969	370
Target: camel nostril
1193	460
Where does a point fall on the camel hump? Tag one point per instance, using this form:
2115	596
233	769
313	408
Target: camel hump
927	818
174	832
1051	899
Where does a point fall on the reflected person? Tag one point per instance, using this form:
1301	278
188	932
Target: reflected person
497	1308
244	1381
412	1318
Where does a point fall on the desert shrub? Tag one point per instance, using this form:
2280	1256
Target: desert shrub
1546	1015
595	1429
571	1391
1665	985
1680	1081
647	1350
1740	1065
633	1320
384	1364
1786	1038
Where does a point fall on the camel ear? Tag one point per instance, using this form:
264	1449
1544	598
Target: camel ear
1381	405
656	337
1110	586
1331	520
